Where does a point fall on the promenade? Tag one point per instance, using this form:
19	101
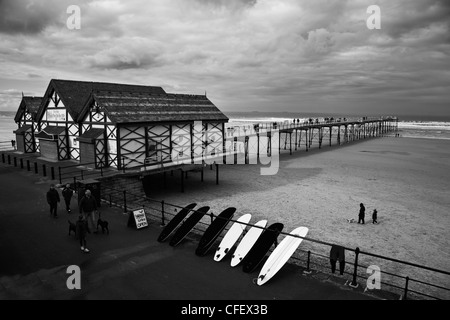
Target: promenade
36	251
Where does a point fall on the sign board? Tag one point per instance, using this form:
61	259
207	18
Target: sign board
140	220
56	115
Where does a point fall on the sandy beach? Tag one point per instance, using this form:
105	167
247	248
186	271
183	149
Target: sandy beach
406	180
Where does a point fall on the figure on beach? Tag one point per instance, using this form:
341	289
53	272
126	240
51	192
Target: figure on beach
52	200
362	213
375	216
88	206
81	231
67	195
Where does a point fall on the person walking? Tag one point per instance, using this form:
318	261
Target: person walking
81	231
67	195
375	216
88	206
52	200
362	213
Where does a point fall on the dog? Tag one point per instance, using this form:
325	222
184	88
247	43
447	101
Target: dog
103	224
351	220
72	227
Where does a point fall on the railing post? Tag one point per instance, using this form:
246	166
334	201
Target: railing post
44	170
28	165
36	168
9	159
59	173
101	171
309	259
82	176
15	162
162	214
405	294
75	184
52	172
124	201
3	158
212	217
110	201
354	284
21	163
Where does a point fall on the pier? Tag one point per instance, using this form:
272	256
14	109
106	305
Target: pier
295	136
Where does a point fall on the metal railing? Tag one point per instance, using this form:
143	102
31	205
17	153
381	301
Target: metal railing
399	284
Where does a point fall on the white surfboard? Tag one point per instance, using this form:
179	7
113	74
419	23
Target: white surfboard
247	242
281	255
231	237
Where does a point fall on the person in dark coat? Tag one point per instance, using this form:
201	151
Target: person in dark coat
81	231
362	213
52	200
375	216
67	195
88	206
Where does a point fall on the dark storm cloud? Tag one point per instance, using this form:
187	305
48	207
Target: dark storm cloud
27	16
245	53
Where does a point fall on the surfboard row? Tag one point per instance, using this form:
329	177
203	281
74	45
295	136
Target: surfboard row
252	248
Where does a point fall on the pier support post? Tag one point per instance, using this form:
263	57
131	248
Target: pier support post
21	163
217	174
36	168
182	181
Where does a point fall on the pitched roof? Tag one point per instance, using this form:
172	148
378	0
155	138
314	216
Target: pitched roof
23	129
74	94
31	104
142	108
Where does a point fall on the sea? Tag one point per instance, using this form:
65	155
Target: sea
425	127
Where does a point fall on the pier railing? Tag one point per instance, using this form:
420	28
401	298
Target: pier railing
403	282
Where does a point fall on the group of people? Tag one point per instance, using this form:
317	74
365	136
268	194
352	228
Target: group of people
87	207
362	214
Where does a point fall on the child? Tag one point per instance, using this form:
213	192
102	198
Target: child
82	229
374	216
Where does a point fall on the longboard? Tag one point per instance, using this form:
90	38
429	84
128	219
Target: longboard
247	242
173	224
281	255
232	236
261	246
212	233
188	225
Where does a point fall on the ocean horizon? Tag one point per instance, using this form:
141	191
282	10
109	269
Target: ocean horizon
412	126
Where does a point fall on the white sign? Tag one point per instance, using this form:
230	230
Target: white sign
56	115
140	218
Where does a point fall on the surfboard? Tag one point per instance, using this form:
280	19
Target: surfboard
214	230
188	225
232	235
281	255
175	222
247	242
261	246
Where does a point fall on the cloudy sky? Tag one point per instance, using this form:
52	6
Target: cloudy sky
248	55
